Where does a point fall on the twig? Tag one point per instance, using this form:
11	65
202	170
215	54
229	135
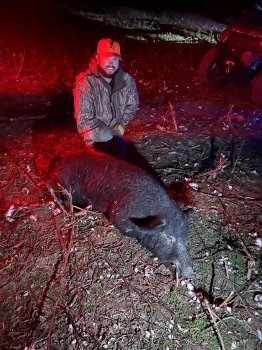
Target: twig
21	65
130	285
250	265
238	155
83	211
69	196
60	238
44	296
212	279
239	197
88	327
173	114
249	256
211	313
51	191
224	117
218	169
225	302
252	316
68	252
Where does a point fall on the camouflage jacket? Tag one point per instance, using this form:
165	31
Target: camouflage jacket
96	103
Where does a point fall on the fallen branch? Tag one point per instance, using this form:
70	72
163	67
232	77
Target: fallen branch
56	200
173	115
226	301
248	255
238	155
214	323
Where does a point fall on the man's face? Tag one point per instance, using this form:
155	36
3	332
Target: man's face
109	65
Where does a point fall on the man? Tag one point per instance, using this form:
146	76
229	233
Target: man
105	99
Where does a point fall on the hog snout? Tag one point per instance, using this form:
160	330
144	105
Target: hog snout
183	267
184	272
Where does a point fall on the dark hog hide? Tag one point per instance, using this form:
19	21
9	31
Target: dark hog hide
132	200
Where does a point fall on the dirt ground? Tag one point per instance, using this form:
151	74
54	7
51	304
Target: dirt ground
69	279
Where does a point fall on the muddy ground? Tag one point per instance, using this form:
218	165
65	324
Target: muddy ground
70	280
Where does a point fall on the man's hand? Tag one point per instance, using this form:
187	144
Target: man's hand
119	129
104	135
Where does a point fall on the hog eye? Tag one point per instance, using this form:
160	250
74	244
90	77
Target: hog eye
149	222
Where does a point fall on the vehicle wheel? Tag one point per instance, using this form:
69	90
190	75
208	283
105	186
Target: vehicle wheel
256	93
212	70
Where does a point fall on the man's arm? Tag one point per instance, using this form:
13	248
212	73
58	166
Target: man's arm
87	123
132	105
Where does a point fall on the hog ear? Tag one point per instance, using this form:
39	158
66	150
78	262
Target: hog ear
149	222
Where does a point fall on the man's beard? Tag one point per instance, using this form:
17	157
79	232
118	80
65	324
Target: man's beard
105	73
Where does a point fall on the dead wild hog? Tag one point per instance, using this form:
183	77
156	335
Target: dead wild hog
133	201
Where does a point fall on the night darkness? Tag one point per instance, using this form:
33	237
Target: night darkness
74	273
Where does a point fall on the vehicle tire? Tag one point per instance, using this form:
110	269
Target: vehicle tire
256	92
212	70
